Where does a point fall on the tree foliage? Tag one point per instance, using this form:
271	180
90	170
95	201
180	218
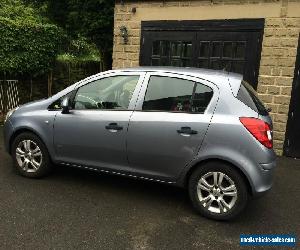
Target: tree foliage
29	43
80	50
90	21
32	31
93	19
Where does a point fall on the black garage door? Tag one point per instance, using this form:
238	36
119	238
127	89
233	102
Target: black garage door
292	140
232	45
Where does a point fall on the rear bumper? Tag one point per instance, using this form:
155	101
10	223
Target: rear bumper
268	166
264	179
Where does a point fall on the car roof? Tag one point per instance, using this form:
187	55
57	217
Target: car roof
185	70
219	77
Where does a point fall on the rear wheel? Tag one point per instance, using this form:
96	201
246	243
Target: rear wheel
218	191
30	155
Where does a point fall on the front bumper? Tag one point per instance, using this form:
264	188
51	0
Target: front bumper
8	131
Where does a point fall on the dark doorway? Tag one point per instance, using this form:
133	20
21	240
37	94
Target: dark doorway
292	139
232	45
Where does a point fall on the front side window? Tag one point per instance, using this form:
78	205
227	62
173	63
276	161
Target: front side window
176	95
113	92
56	105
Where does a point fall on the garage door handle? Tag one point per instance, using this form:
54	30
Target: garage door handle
113	127
186	131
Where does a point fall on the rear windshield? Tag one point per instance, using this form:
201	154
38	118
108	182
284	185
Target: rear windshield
248	96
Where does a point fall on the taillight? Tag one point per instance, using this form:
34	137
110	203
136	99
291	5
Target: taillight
259	129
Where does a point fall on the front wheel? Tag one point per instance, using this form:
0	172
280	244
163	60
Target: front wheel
218	191
30	156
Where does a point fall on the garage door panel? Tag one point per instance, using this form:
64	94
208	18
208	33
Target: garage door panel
168	48
236	49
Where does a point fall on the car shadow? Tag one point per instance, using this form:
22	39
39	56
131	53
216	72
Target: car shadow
150	191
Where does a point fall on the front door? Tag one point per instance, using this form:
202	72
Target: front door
292	140
231	45
167	128
94	132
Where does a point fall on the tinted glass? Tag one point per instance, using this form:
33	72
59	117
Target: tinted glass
156	48
186	49
240	50
248	96
165	48
108	93
174	94
204	49
216	49
227	49
238	67
56	105
202	97
203	64
176	63
223	55
176	49
171	53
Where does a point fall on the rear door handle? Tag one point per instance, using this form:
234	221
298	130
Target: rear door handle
186	131
113	127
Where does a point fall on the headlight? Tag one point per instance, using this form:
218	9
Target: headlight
9	113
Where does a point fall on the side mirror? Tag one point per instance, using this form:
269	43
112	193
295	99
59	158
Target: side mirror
65	104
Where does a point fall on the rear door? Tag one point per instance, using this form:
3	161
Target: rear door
169	123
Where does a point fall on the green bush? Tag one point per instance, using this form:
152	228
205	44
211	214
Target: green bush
28	42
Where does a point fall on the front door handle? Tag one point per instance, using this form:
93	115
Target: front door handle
113	127
186	131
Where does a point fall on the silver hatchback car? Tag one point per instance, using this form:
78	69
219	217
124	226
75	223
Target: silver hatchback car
204	130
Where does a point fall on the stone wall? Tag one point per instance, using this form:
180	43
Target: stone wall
282	27
277	71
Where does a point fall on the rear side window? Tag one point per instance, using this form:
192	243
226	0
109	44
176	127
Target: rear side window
176	95
248	96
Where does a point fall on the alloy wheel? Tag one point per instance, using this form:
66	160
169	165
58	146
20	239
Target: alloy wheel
29	156
217	192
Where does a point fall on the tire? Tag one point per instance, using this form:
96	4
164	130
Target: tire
36	157
233	199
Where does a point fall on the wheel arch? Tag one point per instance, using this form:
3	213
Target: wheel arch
204	161
21	131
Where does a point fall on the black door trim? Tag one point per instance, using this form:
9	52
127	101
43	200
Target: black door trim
217	25
292	106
